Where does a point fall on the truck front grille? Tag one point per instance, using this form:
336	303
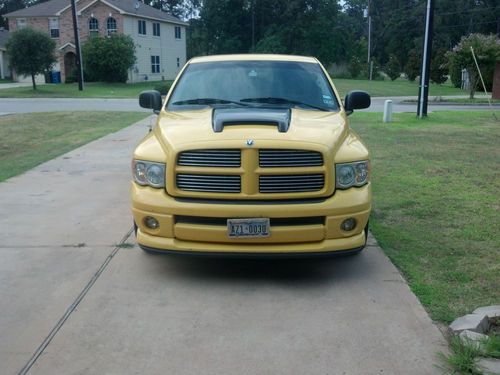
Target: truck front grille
291	183
209	183
210	158
289	158
219	171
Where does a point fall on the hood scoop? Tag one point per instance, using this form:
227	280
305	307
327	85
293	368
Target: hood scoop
251	116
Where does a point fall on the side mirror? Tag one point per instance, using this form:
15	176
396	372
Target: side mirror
150	99
356	100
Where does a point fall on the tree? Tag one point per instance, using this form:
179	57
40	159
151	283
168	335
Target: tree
487	50
439	68
412	68
31	52
272	42
183	9
108	59
393	67
8	6
398	25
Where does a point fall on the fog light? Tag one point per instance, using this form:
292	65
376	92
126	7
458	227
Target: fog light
348	224
151	222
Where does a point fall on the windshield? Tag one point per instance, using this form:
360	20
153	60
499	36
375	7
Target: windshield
253	83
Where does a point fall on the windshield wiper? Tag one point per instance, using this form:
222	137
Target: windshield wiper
272	100
207	101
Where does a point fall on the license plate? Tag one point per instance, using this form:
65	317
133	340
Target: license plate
248	228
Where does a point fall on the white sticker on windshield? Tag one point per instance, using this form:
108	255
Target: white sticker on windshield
327	97
252	73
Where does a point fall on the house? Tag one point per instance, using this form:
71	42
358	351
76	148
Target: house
160	39
4	63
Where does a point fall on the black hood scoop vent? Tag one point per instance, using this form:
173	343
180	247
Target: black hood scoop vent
251	116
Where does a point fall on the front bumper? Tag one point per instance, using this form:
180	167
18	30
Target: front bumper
300	236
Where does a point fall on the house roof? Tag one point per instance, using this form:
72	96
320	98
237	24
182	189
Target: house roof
4	35
49	8
55	7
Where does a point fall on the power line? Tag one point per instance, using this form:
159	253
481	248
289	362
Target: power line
466	24
466	11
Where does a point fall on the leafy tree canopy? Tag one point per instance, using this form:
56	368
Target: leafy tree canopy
487	51
332	30
31	52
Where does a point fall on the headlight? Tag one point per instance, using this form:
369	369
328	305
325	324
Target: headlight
352	174
149	173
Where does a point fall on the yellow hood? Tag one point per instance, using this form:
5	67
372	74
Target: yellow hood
324	131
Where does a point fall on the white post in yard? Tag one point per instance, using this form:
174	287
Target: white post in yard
388	111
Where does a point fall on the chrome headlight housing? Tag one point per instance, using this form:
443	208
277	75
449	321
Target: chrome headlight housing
149	173
352	174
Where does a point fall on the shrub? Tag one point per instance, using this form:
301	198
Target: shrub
163	87
392	68
339	71
439	68
109	59
455	74
412	68
355	67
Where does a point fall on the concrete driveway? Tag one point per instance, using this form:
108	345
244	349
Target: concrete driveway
75	300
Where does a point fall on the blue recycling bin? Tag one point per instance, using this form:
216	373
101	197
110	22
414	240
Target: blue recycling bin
55	77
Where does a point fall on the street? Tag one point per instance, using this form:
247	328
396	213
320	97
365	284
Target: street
11	105
79	298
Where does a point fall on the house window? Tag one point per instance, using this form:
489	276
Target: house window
111	25
54	27
178	62
155	64
21	23
156	28
177	32
93	26
142	27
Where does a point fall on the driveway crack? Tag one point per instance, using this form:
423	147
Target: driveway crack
74	305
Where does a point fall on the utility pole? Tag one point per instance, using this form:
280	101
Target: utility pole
253	26
78	51
423	95
369	16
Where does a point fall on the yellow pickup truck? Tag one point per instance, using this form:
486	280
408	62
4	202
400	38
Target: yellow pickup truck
252	155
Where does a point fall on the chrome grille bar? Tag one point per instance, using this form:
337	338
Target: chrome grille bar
209	183
289	158
210	158
291	183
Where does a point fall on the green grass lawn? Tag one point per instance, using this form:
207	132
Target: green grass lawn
436	185
399	87
30	139
91	90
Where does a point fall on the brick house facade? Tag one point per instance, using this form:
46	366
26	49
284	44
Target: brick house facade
160	52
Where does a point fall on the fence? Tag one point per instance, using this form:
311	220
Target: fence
465	80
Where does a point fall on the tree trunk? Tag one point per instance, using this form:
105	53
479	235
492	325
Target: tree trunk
33	81
473	81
